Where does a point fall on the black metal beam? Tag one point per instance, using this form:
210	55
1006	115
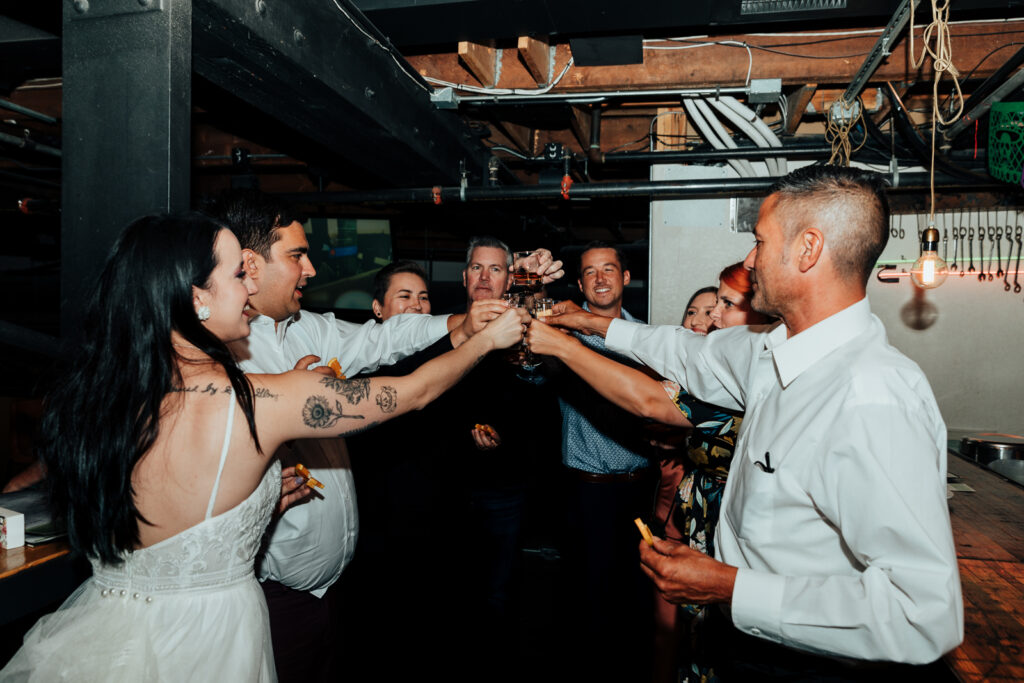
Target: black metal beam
323	71
653	189
126	128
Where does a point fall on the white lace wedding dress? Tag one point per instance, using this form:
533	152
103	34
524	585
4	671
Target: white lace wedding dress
186	609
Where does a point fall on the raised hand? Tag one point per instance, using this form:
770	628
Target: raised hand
569	315
547	340
507	329
479	314
548	268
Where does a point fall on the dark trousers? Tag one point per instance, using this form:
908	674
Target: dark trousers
493	555
614	605
738	657
301	632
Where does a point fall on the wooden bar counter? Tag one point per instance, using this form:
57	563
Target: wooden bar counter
33	579
988	528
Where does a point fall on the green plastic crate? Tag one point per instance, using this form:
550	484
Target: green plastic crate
1006	141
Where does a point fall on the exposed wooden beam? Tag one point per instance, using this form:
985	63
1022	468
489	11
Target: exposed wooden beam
796	105
536	55
481	61
581	126
669	129
832	63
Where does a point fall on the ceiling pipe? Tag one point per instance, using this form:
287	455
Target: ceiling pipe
594	152
652	189
694	157
29	145
695	114
738	121
28	339
31	113
972	110
597	96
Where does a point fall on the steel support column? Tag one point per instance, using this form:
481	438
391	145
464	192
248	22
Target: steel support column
126	128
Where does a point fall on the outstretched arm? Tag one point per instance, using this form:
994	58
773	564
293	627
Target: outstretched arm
300	404
626	387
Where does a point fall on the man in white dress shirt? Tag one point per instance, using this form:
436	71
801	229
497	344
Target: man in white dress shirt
308	546
835	553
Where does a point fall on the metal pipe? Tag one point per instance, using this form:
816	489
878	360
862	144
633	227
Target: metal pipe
29	340
741	166
980	94
594	152
25	143
678	157
747	127
597	96
11	106
980	108
661	189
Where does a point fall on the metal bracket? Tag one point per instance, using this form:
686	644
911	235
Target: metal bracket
843	111
445	98
99	9
881	49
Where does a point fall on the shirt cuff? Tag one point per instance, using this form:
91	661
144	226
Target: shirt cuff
438	326
619	336
757	603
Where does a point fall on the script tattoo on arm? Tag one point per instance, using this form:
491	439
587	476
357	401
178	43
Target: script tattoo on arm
387	399
211	390
263	392
354	390
318	413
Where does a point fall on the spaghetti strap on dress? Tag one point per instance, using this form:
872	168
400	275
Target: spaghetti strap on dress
185	609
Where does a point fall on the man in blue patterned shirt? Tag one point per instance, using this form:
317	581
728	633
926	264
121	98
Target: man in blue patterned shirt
610	483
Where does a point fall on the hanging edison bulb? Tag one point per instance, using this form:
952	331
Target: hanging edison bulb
929	270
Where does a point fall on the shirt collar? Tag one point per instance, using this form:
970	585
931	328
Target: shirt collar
261	320
794	355
625	314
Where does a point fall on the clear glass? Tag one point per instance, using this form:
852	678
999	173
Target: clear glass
929	271
542	308
524	271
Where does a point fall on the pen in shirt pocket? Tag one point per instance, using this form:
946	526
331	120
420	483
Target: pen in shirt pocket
765	466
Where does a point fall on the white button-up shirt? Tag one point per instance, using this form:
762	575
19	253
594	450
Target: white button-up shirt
312	542
846	547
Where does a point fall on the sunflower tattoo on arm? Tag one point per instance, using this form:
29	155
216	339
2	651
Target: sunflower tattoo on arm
318	413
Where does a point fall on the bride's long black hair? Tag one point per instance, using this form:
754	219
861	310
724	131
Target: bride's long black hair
105	413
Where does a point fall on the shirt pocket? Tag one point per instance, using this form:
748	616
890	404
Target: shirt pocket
755	496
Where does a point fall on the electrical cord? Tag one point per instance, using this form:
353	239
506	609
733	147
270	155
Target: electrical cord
837	133
937	45
503	91
403	65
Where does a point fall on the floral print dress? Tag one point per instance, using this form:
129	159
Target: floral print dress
709	454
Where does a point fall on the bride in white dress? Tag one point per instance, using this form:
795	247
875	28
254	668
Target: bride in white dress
165	488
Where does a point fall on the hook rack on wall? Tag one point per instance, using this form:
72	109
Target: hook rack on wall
969	230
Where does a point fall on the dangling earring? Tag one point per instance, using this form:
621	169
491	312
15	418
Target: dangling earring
203	313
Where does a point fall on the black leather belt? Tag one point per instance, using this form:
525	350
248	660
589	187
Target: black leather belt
611	478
